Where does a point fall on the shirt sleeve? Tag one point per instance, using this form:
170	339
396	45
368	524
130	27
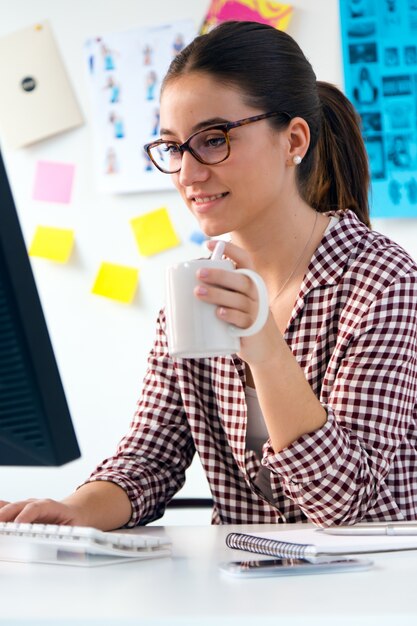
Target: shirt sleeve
151	459
348	469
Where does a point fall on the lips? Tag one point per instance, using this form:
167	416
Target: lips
207	198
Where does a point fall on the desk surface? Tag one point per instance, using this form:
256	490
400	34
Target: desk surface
187	589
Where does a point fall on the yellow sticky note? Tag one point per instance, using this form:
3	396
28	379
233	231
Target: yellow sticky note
154	232
117	282
55	244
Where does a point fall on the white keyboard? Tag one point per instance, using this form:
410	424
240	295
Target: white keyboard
78	545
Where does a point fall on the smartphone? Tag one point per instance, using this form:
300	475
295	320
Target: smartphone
289	567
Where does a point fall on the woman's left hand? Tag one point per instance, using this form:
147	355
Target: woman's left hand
236	298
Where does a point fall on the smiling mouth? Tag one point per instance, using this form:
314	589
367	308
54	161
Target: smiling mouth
203	199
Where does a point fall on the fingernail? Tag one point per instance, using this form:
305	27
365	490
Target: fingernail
203	272
202	291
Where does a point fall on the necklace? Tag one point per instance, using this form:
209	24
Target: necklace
297	264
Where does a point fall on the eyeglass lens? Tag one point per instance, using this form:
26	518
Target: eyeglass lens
210	146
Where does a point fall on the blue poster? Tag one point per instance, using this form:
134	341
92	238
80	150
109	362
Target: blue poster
379	40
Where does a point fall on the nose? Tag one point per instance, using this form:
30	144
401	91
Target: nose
192	170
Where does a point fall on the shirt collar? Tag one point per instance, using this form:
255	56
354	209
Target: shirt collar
332	255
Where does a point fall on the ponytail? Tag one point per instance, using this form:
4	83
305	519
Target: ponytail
339	175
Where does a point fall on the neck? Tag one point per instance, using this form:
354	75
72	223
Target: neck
281	251
276	243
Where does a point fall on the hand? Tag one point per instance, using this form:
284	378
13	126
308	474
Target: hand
40	511
236	298
99	504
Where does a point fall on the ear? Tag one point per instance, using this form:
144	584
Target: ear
298	138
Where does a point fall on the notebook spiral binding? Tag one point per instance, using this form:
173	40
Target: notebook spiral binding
268	547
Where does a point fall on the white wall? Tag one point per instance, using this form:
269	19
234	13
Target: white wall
101	346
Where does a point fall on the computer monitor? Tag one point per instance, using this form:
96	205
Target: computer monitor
35	423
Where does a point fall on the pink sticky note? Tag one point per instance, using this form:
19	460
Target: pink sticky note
53	181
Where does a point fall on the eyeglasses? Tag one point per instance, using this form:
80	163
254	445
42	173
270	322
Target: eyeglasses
209	146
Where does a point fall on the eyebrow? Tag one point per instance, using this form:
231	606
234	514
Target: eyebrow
200	126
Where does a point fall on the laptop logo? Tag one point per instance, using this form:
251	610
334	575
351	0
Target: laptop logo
28	83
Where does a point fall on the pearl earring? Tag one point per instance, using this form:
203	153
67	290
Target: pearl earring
296	159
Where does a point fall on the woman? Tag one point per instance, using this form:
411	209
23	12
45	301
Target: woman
365	92
314	419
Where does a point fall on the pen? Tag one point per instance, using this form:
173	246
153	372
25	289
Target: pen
398	529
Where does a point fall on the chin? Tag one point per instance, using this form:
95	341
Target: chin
213	231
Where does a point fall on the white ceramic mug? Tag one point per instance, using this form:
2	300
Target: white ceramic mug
193	328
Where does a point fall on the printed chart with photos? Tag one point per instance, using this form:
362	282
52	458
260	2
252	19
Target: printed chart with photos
379	39
125	70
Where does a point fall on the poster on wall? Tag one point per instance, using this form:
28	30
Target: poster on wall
379	40
274	14
125	70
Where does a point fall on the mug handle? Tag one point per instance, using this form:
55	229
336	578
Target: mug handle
263	308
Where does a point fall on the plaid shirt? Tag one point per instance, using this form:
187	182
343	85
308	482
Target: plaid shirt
353	330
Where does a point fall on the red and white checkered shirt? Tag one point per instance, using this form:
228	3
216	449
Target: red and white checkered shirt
353	330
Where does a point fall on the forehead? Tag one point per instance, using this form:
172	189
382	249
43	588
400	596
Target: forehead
190	99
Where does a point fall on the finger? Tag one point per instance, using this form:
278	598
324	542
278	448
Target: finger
224	297
235	317
30	511
45	511
239	256
233	282
232	307
36	511
10	510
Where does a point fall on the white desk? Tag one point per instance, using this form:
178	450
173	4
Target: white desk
188	590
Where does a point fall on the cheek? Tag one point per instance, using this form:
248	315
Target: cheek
180	188
261	187
175	180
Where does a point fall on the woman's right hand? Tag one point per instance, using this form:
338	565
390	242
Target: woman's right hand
100	504
41	511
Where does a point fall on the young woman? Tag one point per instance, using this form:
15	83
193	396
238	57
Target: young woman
314	419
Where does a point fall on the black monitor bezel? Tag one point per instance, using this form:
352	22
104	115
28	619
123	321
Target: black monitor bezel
61	444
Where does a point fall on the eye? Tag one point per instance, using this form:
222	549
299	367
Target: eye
211	140
172	149
216	141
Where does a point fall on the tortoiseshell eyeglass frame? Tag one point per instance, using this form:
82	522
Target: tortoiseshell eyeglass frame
224	127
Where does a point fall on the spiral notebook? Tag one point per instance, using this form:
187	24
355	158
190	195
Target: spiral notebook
311	543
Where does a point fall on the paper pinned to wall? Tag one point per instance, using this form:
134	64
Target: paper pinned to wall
37	99
117	282
379	43
275	14
125	71
198	237
154	232
53	182
51	243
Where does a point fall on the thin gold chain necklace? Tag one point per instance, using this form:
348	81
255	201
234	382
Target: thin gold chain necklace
297	264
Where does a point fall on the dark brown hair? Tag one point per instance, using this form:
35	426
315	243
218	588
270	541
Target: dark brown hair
271	71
